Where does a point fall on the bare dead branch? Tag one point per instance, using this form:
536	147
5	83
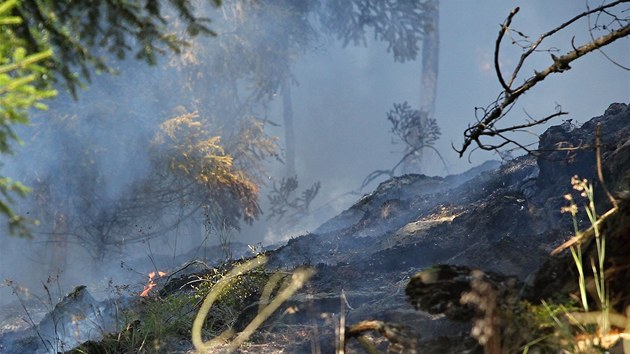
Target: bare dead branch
561	63
534	46
504	28
530	124
486	125
602	52
585	236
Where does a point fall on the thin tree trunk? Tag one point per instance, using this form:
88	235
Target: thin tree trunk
428	80
289	133
430	61
59	249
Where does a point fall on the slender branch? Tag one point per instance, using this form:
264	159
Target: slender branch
540	39
390	173
437	152
530	124
504	28
561	63
583	237
590	32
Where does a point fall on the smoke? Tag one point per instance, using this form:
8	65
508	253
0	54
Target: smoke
87	160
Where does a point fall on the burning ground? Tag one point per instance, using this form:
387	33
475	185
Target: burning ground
375	266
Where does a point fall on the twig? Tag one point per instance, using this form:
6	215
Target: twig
586	235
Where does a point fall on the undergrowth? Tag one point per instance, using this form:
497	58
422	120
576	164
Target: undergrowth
162	324
241	297
582	324
149	330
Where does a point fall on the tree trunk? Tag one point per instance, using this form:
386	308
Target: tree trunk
59	249
289	133
430	61
428	80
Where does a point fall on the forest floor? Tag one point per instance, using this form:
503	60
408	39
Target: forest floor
394	267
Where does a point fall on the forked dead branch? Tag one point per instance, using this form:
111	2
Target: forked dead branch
486	125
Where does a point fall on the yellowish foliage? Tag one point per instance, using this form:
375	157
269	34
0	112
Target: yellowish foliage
193	152
253	145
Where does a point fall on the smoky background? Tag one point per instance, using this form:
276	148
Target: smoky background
89	154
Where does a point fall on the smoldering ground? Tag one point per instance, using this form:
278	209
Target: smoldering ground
84	158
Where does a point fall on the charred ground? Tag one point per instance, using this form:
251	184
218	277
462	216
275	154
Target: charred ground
503	219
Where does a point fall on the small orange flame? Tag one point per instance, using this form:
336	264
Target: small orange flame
151	283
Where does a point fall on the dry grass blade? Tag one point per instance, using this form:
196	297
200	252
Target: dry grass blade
586	235
298	279
198	342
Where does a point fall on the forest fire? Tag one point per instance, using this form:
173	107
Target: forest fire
289	163
151	283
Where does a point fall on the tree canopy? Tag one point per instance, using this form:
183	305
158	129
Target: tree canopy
81	33
400	24
21	73
44	42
